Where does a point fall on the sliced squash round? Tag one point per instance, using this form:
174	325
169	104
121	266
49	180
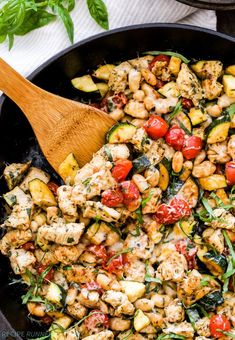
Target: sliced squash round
41	194
120	133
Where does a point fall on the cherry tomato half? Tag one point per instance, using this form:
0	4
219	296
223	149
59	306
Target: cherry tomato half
121	169
130	192
230	172
96	320
50	274
172	212
217	322
175	137
53	187
188	249
116	264
181	207
187	103
192	147
160	57
112	198
156	127
99	251
93	285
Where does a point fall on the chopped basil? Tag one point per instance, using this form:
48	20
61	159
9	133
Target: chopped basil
170	336
125	251
176	110
169	53
148	277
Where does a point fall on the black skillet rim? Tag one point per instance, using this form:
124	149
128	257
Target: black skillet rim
209	5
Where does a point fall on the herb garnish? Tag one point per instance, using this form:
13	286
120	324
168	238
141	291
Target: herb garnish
125	251
169	53
148	277
170	336
176	110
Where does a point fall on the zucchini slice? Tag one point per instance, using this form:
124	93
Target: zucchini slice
41	194
182	119
164	177
229	85
14	196
32	174
84	83
68	169
190	192
103	72
140	164
174	65
14	172
216	264
217	131
120	133
213	182
197	116
103	88
211	300
140	320
169	90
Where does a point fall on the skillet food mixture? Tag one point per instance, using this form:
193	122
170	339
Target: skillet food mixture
137	244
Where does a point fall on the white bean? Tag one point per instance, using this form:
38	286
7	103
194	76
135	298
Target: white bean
177	161
200	157
152	176
139	95
134	79
140	182
117	114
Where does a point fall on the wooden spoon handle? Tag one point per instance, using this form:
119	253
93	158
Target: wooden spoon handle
16	87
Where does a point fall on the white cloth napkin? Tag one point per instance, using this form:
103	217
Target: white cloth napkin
36	47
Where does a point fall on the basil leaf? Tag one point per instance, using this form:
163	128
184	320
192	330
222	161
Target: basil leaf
176	110
98	11
169	53
66	19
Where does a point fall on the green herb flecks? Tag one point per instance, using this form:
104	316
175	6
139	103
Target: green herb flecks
169	53
125	251
147	199
220	203
170	336
139	223
230	111
176	110
148	277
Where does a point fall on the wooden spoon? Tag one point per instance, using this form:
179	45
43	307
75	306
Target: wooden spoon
60	125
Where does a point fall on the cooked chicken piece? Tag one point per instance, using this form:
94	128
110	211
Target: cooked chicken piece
211	69
108	281
202	327
77	310
223	219
33	174
144	304
68	254
202	338
105	335
118	77
21	260
99	210
99	181
14	239
119	324
160	300
212	88
215	238
173	268
14	172
142	62
135	271
89	298
119	301
141	247
67	206
156	152
174	311
136	109
188	84
184	328
163	251
53	215
134	79
164	105
46	258
231	147
152	197
161	71
98	162
64	234
60	279
218	153
203	169
80	274
117	151
152	230
141	141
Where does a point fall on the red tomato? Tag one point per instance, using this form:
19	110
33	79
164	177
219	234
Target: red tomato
116	264
28	246
93	286
219	321
160	57
53	187
175	137
230	172
172	212
156	127
96	320
130	192
192	147
119	100
189	251
187	103
99	251
121	169
50	274
112	198
160	83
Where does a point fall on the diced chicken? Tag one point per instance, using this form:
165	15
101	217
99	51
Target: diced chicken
174	311
156	152
89	298
118	77
80	274
135	270
77	310
188	84
217	153
20	217
117	151
225	101
68	254
231	147
46	258
99	210
144	304
119	301
142	62
140	141
173	268
141	247
212	88
161	71
100	181
119	324
215	238
67	206
60	279
223	219
14	239
136	109
202	327
21	260
105	335
152	197
164	105
184	328
14	172
134	79
64	234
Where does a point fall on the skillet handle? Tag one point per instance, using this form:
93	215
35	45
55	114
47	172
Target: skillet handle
16	87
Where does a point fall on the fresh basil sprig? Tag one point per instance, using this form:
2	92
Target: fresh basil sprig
98	11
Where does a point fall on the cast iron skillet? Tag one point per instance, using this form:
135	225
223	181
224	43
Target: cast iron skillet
17	141
222	5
